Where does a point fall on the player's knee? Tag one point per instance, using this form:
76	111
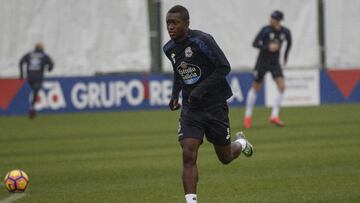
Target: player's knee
282	88
189	157
225	160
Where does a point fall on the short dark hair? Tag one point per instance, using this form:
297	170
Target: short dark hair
277	15
182	10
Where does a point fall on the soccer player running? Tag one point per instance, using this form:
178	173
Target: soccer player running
269	41
35	63
200	68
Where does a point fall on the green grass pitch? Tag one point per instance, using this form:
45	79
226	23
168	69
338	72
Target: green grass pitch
134	157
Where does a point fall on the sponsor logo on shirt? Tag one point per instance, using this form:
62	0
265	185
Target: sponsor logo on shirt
190	73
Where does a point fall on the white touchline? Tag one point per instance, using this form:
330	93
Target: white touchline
13	198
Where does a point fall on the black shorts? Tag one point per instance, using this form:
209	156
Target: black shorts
212	121
261	69
35	84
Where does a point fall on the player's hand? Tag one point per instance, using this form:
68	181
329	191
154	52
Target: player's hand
284	65
274	46
174	104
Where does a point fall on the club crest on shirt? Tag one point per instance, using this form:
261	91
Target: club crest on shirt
190	73
188	52
282	36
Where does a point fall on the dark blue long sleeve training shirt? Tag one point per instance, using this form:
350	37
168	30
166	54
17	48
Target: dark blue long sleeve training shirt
268	34
200	68
35	63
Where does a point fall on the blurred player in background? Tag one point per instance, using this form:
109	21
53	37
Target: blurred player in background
35	63
200	69
269	41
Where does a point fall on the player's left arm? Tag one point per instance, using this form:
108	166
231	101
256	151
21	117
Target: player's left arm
288	46
49	62
217	57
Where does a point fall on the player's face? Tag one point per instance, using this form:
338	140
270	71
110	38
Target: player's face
176	26
274	23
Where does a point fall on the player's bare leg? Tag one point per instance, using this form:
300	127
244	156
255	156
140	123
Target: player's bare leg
32	112
34	96
228	153
274	118
250	103
190	147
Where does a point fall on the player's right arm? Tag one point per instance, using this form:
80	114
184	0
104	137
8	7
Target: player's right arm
177	86
259	41
23	61
177	83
